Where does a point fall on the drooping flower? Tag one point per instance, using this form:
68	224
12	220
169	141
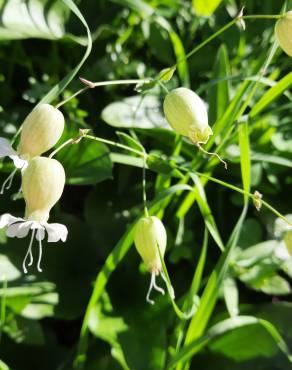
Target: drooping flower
42	184
150	238
186	113
41	130
283	31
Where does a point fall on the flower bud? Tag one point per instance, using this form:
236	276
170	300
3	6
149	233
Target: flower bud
283	30
186	113
42	184
150	235
41	130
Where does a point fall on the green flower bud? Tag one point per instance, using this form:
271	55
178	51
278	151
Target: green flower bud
150	235
41	130
186	113
283	30
288	241
42	185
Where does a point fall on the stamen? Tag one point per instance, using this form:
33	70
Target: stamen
28	253
8	181
212	154
150	289
157	288
40	256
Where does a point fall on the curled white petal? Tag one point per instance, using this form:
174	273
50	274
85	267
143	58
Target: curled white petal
6	148
19	162
19	229
56	232
7	219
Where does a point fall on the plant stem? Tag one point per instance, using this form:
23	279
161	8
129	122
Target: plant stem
70	141
114	143
102	83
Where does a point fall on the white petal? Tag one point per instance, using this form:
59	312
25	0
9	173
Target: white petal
19	230
18	162
8	219
56	232
6	148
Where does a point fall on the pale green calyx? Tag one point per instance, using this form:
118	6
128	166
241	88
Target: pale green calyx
150	241
288	241
283	30
150	235
42	185
187	114
41	130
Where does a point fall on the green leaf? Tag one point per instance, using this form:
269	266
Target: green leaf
219	93
86	162
272	94
223	327
135	112
179	51
3	366
205	7
243	138
230	292
32	19
58	88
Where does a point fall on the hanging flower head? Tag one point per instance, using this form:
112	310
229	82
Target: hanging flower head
283	30
41	130
150	238
42	184
186	113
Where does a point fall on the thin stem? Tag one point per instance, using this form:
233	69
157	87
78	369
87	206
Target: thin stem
117	145
144	196
92	85
70	141
263	16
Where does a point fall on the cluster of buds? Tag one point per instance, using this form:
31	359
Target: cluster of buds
43	179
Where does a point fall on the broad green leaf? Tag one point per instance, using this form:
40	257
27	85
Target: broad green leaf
86	162
135	112
32	19
205	7
272	94
7	270
223	327
3	366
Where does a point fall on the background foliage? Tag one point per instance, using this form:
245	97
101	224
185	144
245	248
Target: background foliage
41	43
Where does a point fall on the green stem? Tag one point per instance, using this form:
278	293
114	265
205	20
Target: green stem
92	85
70	141
115	144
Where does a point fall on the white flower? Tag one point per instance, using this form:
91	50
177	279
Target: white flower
19	227
6	150
281	252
